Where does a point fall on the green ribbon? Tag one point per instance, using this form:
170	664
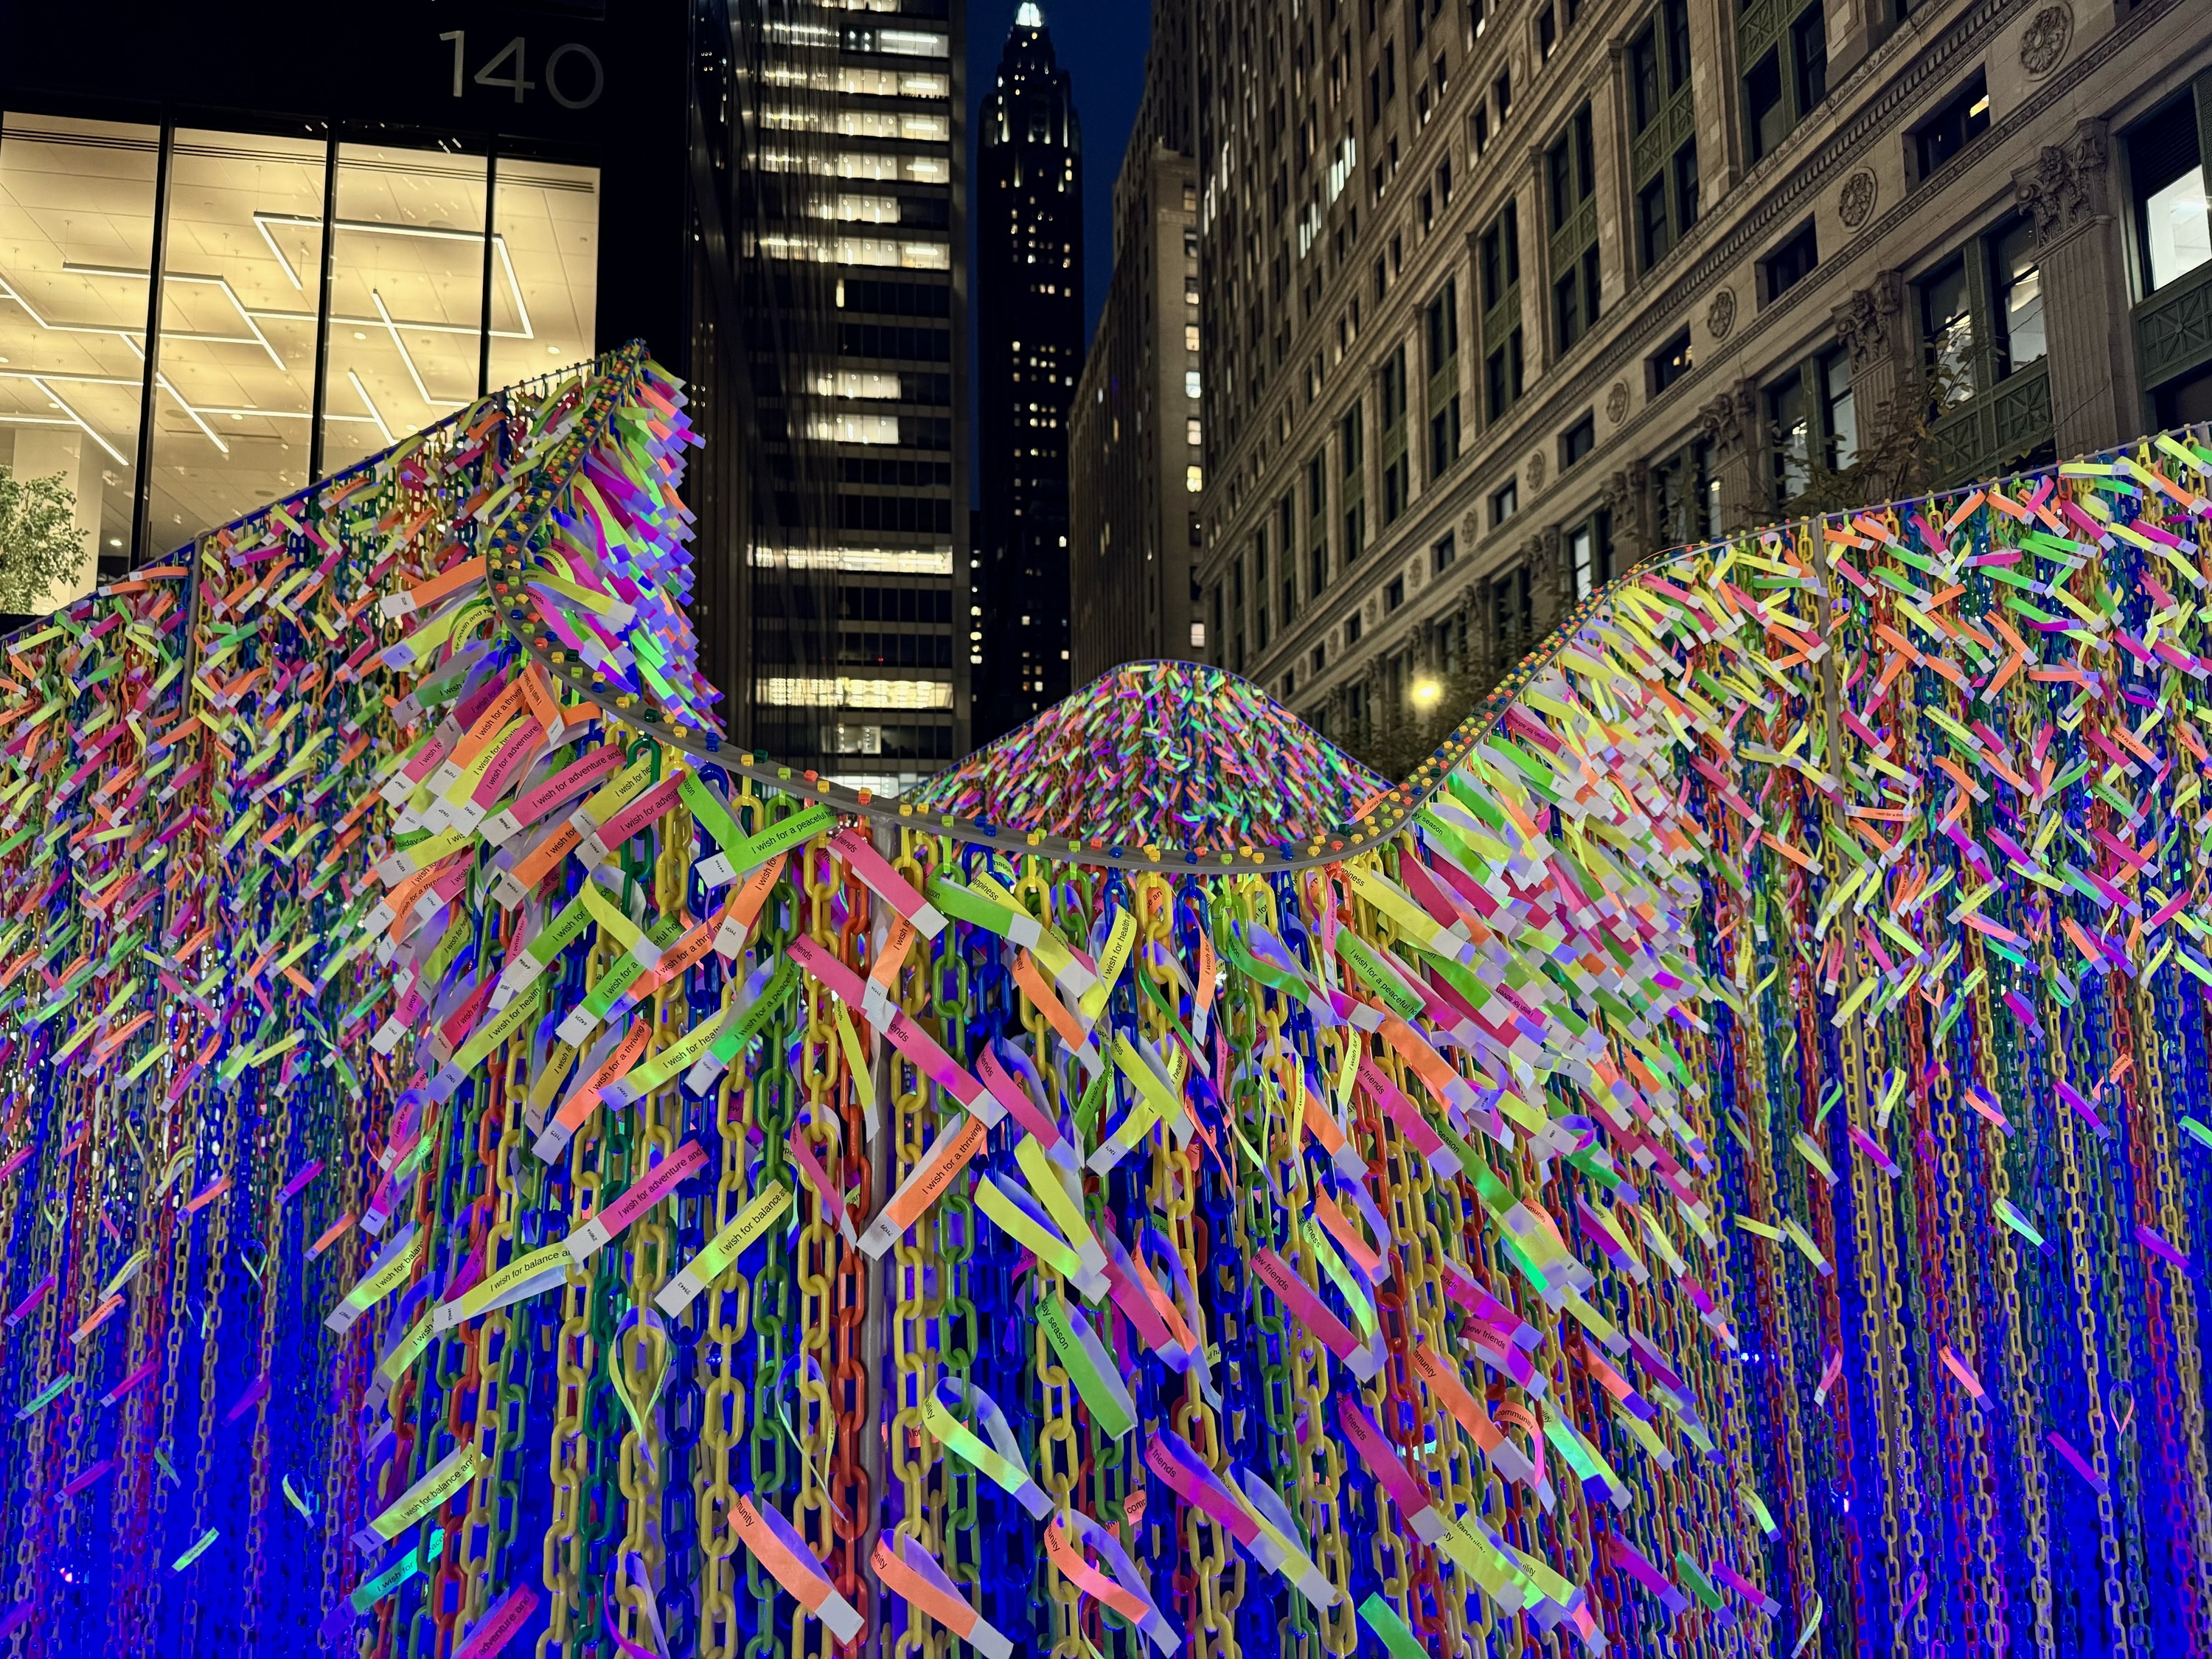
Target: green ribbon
643	1323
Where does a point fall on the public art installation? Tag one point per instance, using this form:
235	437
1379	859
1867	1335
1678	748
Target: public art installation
1714	1163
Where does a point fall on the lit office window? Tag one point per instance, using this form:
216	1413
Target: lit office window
545	268
242	275
406	295
75	197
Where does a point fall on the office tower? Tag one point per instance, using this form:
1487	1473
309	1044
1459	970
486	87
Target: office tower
1029	280
1498	298
1136	458
850	257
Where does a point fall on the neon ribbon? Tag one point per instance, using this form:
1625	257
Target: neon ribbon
639	1402
1001	1460
1064	1539
948	1155
778	1548
760	1212
1070	1336
1362	1360
914	1574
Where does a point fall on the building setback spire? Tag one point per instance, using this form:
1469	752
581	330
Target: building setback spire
1030	349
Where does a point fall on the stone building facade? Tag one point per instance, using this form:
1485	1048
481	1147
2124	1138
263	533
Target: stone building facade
1498	299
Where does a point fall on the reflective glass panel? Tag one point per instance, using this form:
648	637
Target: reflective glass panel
77	237
406	295
545	268
242	267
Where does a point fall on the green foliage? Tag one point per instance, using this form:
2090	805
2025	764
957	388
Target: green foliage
1406	736
1896	461
39	545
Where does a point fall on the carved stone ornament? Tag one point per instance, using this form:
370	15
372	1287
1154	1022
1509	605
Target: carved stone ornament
1536	469
1855	203
1862	321
1470	525
2043	42
2063	188
1616	402
1729	420
1720	316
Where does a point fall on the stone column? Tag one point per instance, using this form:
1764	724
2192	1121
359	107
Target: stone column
2094	400
1628	498
1730	423
1872	325
1552	584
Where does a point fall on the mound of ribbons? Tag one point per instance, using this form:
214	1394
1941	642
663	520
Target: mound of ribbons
1168	756
1714	1164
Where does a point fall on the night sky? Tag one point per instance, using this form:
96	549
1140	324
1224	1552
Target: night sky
1101	44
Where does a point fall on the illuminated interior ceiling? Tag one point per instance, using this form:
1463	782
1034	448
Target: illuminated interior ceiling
243	264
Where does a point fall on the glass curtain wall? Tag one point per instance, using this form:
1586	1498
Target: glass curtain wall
76	198
447	275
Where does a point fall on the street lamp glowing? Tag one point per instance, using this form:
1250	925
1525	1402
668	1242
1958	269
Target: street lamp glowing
1425	693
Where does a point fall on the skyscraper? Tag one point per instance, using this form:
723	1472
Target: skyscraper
849	249
1135	462
1029	284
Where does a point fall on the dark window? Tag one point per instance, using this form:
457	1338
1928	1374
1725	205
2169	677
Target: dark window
1946	333
2016	292
1503	89
1790	264
1394	595
1808	56
1558	167
1652	232
1687	497
1670	362
1812	423
2185	401
1259	580
1505	501
1644	97
1491	254
1352	629
1686	183
1567	311
903	513
1839	408
1963	118
1547	34
1590	547
1443	322
1481	130
1443	436
1576	442
1444	554
1675	15
1789	427
2172	234
1769	121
